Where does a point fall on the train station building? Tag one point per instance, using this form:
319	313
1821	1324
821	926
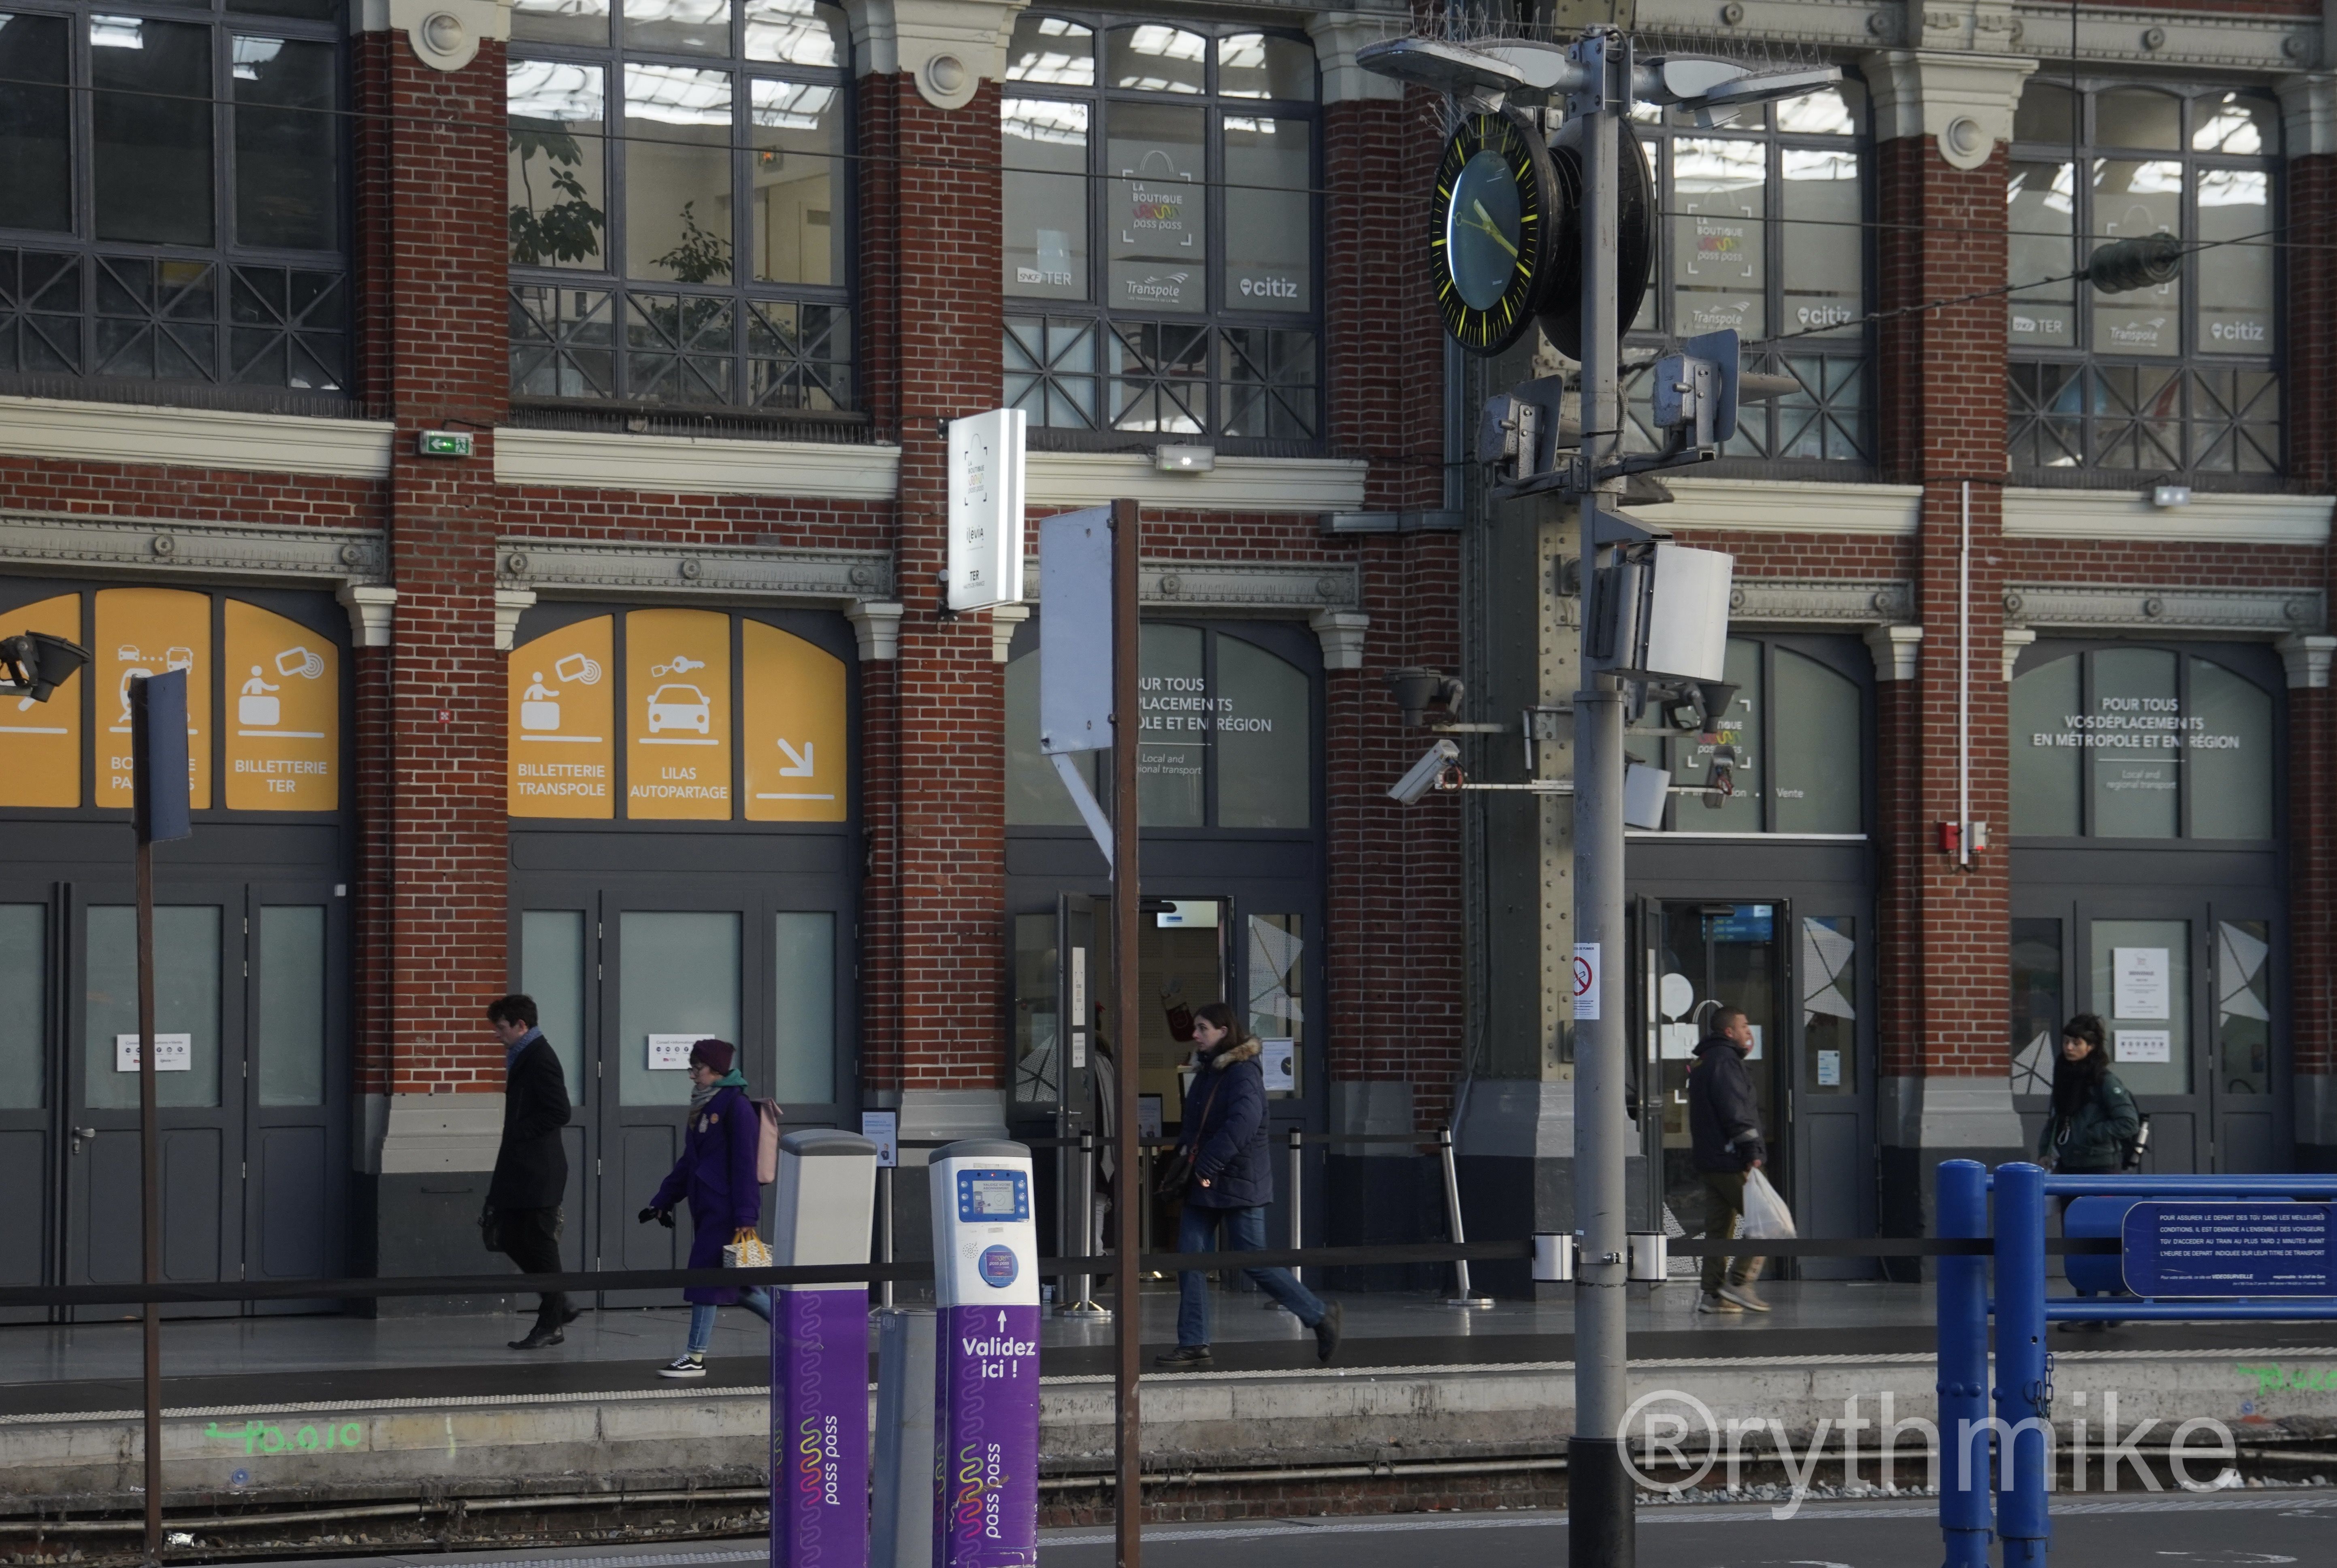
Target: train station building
526	424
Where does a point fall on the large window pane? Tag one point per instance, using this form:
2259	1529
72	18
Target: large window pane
2047	114
1158	242
1741	727
2142	988
2132	740
2133	199
1277	998
1264	735
1264	65
1829	1005
292	1005
2228	734
679	26
1051	50
23	1007
804	1018
2047	740
1045	195
2137	117
676	975
1156	59
795	33
799	133
1718	272
1821	754
1269	214
1035	795
1824	276
2244	1007
2235	280
558	180
561	22
1038	1061
287	144
2041	209
151	130
2239	123
36	170
1173	735
186	1002
552	968
2039	1004
678	173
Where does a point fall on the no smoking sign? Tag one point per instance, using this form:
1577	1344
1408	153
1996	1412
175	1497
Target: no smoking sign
1586	982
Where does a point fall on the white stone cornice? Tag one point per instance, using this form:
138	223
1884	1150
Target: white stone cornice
1338	35
2106	35
2306	660
1895	649
1340	633
1962	100
1004	620
695	464
1819	601
258	552
877	625
2211	517
1790	506
510	603
1219	587
2308	113
64	431
2150	35
950	47
572	569
1282	485
373	613
2121	607
2016	639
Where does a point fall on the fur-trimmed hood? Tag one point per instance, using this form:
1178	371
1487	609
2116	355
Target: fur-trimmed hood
1241	1053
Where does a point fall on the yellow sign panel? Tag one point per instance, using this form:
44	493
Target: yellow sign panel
794	734
284	712
677	715
42	738
562	723
150	631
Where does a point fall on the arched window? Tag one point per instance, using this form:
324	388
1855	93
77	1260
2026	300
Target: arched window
1797	731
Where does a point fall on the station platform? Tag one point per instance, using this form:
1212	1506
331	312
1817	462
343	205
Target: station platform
308	1411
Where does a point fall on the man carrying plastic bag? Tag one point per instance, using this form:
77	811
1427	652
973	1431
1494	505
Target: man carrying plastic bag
1724	1118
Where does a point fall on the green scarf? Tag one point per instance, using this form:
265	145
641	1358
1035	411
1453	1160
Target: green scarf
733	1079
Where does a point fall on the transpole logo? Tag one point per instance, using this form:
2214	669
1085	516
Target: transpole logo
1156	287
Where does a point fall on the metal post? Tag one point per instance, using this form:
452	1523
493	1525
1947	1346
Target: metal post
885	1232
1965	1520
2024	1387
1081	1288
150	1198
1297	1197
1126	892
1600	1494
1463	1295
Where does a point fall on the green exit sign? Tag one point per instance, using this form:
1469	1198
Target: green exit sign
445	443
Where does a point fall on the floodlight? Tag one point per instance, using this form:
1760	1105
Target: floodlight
39	663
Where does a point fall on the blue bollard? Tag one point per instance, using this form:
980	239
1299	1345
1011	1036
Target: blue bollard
2024	1391
1965	1511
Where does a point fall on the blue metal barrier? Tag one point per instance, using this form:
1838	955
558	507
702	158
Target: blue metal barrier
2020	1433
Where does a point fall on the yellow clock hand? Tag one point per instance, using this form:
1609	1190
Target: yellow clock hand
1485	222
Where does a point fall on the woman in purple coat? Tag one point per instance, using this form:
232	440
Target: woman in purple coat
717	1174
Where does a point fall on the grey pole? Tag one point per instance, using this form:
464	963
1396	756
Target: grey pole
1600	1491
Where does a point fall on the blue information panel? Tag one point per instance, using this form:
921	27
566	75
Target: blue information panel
993	1197
2265	1248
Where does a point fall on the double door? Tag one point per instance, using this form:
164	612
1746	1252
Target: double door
251	1082
1801	975
626	975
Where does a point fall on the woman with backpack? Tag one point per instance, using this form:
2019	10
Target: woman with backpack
2093	1118
717	1172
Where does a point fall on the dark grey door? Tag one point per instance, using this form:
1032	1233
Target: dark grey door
296	980
32	1115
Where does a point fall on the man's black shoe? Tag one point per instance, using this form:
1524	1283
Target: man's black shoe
1184	1357
539	1338
1327	1333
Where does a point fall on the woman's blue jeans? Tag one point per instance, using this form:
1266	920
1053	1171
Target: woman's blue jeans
1245	1231
754	1298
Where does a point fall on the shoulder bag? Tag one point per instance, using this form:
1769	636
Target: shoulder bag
1176	1172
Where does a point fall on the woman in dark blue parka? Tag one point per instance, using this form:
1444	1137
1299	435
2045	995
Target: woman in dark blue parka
717	1174
1233	1182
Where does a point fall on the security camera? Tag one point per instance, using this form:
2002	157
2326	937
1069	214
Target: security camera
37	663
1411	786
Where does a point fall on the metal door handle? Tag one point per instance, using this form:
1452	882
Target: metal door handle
81	1132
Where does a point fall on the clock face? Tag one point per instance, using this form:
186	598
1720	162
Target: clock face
1490	248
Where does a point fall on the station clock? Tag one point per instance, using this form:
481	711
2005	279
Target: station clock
1495	214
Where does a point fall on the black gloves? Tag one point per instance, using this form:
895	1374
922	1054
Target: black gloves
662	1216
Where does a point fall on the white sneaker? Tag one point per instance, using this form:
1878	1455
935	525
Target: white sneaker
1708	1303
684	1365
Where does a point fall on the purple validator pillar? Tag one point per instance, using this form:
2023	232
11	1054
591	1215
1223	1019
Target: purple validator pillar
826	1202
986	1358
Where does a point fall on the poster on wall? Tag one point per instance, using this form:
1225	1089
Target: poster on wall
561	724
284	737
677	715
43	739
2138	982
143	631
795	730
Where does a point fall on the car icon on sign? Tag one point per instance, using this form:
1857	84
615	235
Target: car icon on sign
680	707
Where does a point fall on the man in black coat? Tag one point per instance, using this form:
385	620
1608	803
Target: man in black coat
1724	1118
522	1217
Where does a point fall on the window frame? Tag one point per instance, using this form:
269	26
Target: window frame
1657	135
611	278
2187	362
1096	313
227	255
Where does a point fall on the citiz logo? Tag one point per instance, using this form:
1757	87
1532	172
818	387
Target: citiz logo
1268	288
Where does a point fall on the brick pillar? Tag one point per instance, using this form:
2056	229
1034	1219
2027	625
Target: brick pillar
434	246
1945	1088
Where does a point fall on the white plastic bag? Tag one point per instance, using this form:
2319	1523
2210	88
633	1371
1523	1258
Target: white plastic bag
1766	1218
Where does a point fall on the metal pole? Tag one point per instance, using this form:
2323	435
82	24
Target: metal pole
1964	1513
1599	1491
2024	1388
1465	1295
150	1198
884	1231
1126	892
1297	1197
1081	1288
